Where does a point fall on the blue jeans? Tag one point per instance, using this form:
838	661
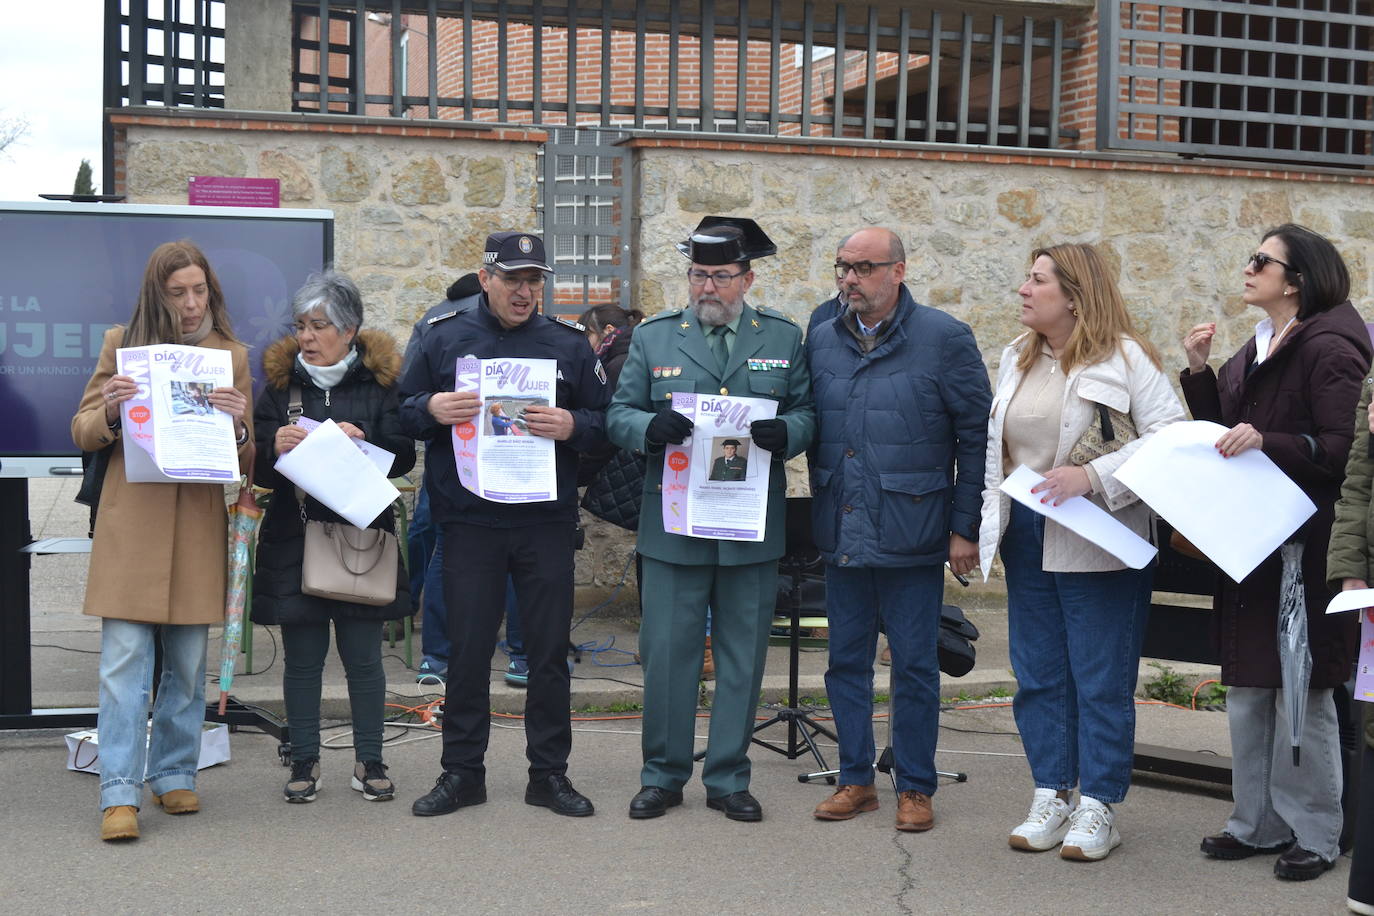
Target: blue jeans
1075	648
127	758
908	599
420	537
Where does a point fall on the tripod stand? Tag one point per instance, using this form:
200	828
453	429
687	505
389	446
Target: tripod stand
801	728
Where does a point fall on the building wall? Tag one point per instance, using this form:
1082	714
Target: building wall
413	203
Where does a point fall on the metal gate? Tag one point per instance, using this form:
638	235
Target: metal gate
585	210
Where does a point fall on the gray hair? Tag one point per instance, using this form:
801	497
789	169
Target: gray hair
334	292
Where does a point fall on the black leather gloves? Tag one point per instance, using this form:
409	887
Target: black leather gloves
668	427
770	435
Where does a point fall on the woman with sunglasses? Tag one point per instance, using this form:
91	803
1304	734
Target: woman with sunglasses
1291	392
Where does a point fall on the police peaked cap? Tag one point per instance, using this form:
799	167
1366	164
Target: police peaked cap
726	240
734	442
514	250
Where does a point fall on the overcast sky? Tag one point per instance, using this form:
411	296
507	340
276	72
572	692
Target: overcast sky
50	57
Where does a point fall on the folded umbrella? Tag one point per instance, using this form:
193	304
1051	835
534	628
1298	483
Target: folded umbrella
1295	659
244	518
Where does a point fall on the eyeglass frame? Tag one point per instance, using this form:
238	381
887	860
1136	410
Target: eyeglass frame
535	283
862	269
699	277
1259	260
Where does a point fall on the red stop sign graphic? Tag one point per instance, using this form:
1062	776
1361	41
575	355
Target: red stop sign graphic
140	414
677	461
465	431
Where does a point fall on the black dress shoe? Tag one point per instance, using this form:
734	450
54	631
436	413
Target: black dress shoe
451	792
653	801
1225	846
738	806
1298	864
558	795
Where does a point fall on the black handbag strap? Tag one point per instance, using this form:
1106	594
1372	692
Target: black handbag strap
293	404
1104	415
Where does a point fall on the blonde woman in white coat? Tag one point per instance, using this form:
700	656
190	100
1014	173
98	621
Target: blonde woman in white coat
1077	614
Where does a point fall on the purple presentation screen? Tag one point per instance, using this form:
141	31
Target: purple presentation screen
69	271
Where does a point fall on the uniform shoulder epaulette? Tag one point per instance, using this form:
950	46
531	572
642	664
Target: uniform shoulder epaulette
569	323
462	308
773	313
666	313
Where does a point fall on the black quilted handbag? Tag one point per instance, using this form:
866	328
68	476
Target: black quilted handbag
617	491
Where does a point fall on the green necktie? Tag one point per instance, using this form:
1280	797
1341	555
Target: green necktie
716	341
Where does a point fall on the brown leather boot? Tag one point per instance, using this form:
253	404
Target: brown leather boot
178	801
119	823
914	813
708	664
847	802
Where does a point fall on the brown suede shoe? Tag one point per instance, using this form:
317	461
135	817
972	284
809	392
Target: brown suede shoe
914	813
178	801
847	802
708	664
119	823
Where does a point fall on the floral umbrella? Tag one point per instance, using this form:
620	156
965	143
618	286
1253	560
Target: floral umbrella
244	518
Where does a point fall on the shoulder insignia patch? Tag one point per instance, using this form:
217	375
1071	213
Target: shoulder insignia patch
569	323
438	318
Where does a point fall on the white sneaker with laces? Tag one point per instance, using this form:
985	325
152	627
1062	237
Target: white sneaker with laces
1045	825
1092	832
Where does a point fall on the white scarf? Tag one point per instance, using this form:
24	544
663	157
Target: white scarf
326	377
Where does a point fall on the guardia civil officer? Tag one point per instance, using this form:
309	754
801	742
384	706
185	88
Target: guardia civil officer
719	345
531	542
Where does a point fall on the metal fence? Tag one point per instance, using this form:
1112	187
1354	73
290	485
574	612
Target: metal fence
1238	79
164	53
769	68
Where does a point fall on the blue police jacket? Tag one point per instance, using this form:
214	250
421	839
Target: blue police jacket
900	438
474	331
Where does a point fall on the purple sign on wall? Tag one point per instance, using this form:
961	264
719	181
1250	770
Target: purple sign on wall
210	191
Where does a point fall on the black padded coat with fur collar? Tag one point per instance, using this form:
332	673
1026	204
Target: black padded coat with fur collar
365	397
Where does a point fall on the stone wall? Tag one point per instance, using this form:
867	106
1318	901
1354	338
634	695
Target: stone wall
1179	240
413	203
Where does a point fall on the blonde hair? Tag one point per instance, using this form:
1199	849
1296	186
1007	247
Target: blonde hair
155	320
1102	316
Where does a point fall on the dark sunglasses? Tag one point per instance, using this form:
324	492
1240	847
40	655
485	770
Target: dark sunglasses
1259	260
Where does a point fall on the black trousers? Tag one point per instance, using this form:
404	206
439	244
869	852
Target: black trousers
477	560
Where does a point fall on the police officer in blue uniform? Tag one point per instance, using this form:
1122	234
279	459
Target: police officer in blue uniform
531	542
720	345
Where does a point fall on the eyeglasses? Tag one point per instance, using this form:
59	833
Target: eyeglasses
513	282
1259	260
720	278
861	268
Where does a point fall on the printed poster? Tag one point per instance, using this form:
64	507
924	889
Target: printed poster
715	484
497	457
172	434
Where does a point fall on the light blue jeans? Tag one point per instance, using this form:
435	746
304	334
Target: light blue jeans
169	760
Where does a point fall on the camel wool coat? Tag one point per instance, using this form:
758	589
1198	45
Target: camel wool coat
160	549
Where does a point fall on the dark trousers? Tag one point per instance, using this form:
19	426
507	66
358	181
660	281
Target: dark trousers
305	646
539	561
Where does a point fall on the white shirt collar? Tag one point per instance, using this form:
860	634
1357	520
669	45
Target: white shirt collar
1264	334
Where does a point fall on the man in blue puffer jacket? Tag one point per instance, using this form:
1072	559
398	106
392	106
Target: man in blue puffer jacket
902	400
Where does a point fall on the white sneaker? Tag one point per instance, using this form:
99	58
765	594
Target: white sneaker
1092	832
1045	825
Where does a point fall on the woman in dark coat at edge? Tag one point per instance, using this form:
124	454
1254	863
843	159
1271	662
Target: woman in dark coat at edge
349	376
1291	392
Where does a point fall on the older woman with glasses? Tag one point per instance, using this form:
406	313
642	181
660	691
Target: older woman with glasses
1291	392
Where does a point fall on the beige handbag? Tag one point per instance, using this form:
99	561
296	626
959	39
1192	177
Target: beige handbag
351	564
1112	431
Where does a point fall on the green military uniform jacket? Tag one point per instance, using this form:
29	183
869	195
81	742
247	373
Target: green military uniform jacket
669	353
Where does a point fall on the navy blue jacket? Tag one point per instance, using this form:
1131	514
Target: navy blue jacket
475	332
826	311
900	438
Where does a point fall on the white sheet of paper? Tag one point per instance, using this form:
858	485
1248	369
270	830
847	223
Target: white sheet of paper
1084	518
328	466
1354	600
375	453
1236	510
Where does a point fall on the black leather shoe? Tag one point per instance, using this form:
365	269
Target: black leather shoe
653	801
558	795
738	806
1225	846
1298	864
451	792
